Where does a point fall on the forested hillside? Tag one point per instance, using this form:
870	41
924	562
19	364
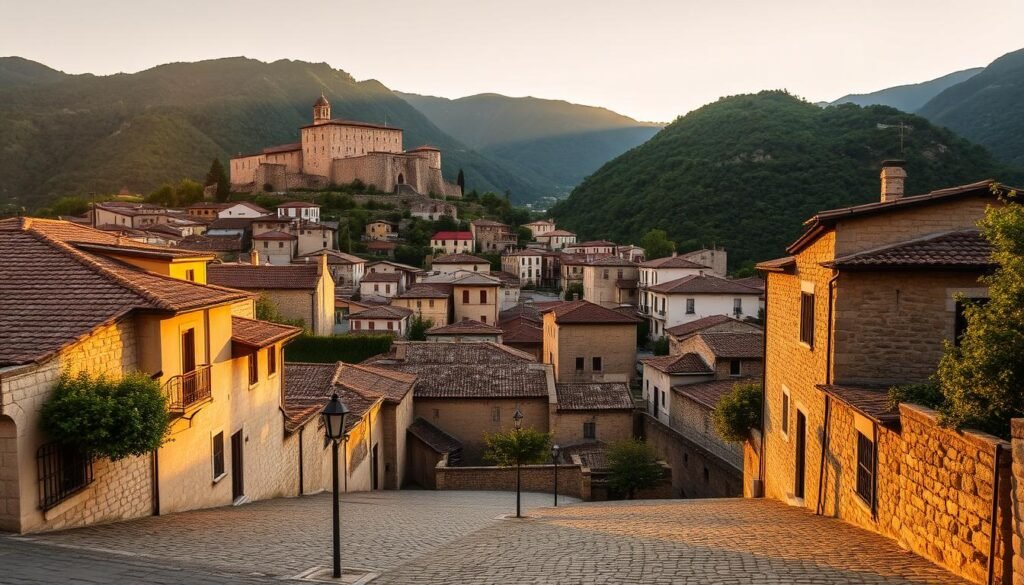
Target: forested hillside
746	171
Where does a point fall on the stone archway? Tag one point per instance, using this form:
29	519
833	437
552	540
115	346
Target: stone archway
10	517
401	178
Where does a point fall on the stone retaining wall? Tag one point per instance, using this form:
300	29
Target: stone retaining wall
696	471
1017	502
573	480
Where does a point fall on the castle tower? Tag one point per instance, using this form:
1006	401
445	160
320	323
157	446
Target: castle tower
321	110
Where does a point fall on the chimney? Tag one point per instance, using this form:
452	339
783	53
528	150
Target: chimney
893	176
254	258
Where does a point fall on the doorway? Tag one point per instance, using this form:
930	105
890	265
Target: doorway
401	179
237	466
373	469
801	455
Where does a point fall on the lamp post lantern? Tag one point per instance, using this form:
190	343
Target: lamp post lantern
554	459
334	425
517	420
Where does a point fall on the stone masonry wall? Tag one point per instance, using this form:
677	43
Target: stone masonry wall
1017	502
696	472
933	486
573	480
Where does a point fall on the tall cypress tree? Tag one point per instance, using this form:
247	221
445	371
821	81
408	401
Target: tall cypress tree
461	181
218	176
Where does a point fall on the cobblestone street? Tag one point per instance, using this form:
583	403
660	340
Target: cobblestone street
458	537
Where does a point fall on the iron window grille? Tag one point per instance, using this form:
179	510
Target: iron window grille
63	472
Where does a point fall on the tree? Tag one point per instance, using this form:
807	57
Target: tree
461	181
632	465
218	176
656	244
418	328
107	418
574	291
982	378
738	412
524	234
643	332
525	445
661	345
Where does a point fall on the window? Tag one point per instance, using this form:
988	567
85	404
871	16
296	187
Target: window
690	306
737	306
218	456
785	412
865	469
483	318
271	361
605	276
579	364
496	414
373	325
357	325
190	275
63	471
596	363
390	325
280	244
465	297
376	288
734	367
589	430
254	368
483	297
807	318
430	303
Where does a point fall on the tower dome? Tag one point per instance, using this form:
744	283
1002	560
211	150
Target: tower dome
321	110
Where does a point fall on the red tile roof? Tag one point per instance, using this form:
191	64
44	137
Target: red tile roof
259	334
260	277
385	312
594	396
713	321
211	243
709	393
274	235
381	277
433	437
777	264
966	248
687	363
870	401
581	312
333	257
452	236
671	262
521	330
459	259
308	388
703	284
734	345
465	327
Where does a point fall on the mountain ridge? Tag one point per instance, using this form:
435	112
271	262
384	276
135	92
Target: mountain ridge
909	97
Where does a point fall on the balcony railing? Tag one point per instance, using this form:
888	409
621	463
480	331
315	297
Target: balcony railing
186	390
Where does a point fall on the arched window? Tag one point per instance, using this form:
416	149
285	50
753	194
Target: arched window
401	178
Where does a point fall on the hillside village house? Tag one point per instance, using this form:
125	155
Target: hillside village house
302	210
586	342
383	319
475	296
570	270
452	242
274	247
592	250
540	227
306	236
466	330
452	263
697	296
207	210
346	269
591	412
301	292
556	239
127	214
433	210
407	273
492	236
611	281
430	303
712	324
526	264
384	284
865	300
631	252
117	308
380	229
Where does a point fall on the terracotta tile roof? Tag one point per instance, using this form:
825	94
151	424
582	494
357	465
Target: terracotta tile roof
870	401
506	278
260	277
594	244
527	311
334	257
387	312
709	393
556	233
379	245
381	277
572	259
487	223
308	388
40	316
687	363
692	327
433	437
755	282
703	284
255	333
594	396
233	223
522	330
581	311
952	249
593	454
459	259
452	236
777	264
476	279
611	261
465	327
274	235
373	382
671	262
468	370
734	345
296	204
142	251
423	291
526	252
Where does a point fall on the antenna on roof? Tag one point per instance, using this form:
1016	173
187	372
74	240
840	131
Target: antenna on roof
903	127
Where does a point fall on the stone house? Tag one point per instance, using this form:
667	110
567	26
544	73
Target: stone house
611	281
466	330
592	250
433	210
452	263
591	411
661	270
299	210
301	292
585	342
712	324
540	227
527	264
570	268
407	273
697	296
492	236
127	214
556	239
115	309
452	242
631	252
274	247
382	319
385	284
662	373
346	269
523	333
381	230
313	237
866	300
430	302
475	296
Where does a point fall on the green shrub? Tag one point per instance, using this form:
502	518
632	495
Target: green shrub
328	349
632	465
927	394
738	412
661	346
107	418
527	446
418	328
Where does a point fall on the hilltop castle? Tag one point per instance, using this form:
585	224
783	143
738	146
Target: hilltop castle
341	152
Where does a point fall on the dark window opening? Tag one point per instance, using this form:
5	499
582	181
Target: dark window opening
254	369
63	471
865	469
734	367
218	456
579	364
589	430
807	318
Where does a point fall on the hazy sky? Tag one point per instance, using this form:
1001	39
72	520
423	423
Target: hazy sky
650	59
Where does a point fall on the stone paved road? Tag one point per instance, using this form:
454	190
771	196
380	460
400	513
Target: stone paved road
413	537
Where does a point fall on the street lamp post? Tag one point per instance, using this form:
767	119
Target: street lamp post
517	420
554	459
334	425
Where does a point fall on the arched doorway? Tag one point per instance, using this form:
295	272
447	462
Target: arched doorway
401	178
